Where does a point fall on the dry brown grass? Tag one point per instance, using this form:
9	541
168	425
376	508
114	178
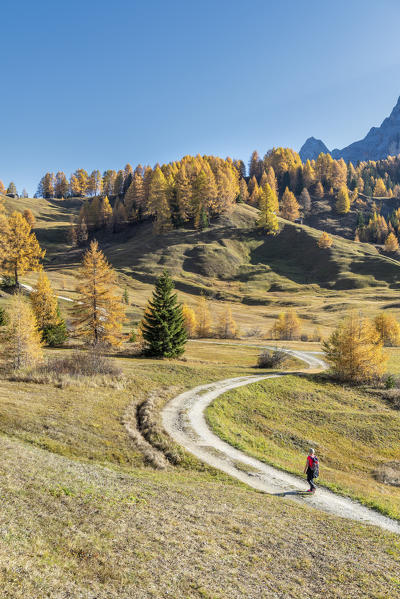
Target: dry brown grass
74	530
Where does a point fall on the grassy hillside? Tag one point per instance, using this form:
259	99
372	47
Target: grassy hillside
232	261
234	250
52	219
355	433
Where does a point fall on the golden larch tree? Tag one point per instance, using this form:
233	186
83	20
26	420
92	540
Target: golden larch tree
379	189
44	302
391	243
319	190
21	250
99	313
189	320
325	241
388	328
23	344
227	327
4	233
354	350
268	204
158	202
287	326
343	200
29	217
204	322
289	206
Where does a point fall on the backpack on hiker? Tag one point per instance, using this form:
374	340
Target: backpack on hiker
315	467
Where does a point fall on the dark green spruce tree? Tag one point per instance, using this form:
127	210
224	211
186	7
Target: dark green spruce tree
163	325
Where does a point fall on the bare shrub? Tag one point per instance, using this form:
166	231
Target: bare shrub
254	332
272	358
83	368
388	474
81	363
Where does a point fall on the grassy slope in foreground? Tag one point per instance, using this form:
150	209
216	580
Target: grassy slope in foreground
95	522
354	432
74	529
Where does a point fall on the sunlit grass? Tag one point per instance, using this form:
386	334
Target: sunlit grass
353	431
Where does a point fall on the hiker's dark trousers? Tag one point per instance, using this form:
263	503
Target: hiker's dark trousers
310	479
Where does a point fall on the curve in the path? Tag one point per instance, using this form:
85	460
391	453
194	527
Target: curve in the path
183	418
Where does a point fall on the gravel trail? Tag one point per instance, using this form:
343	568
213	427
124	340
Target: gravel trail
183	418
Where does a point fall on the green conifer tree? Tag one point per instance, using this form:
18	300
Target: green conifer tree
163	324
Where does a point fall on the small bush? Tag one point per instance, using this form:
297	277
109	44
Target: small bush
3	317
272	358
55	334
304	337
7	282
390	382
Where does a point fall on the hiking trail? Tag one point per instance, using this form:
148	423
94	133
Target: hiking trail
183	418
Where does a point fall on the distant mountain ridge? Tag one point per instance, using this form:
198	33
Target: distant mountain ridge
379	143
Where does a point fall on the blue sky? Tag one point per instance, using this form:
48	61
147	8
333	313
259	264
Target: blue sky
99	84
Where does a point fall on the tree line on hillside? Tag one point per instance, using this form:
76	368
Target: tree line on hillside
354	349
194	190
11	190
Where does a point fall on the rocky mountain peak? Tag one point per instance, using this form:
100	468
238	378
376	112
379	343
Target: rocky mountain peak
379	142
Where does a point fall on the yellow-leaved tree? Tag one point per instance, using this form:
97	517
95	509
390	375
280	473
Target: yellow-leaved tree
325	241
354	350
391	243
44	302
388	328
3	232
268	204
48	317
204	322
189	320
23	344
227	327
99	313
379	189
21	251
287	326
290	208
343	200
29	217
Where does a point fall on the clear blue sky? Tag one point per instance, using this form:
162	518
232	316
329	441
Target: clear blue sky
96	84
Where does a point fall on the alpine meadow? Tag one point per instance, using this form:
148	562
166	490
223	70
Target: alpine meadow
199	341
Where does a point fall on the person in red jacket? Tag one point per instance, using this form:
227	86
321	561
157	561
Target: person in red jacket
312	470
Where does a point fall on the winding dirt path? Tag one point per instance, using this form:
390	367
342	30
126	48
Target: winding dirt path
183	418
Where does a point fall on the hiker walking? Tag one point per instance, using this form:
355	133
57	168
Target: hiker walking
312	470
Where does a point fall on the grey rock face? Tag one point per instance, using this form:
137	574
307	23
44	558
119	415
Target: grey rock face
312	148
379	143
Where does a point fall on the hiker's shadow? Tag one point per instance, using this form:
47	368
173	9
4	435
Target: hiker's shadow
286	493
